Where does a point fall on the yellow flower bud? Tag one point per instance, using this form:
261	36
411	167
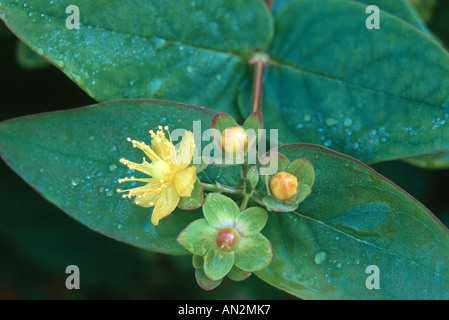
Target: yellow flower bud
234	140
283	186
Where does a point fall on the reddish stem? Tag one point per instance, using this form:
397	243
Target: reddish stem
257	84
269	4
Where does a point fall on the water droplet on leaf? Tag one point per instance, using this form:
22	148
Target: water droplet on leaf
320	257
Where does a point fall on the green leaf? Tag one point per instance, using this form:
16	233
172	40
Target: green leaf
198	237
195	200
424	8
437	161
333	82
72	159
27	58
219	210
400	8
186	51
355	218
218	264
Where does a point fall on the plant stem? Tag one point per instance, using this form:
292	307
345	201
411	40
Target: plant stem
216	188
269	4
244	202
257	84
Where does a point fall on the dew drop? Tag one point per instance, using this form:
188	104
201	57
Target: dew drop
307	117
91	138
348	122
119	226
330	122
75	181
110	193
189	69
320	257
112	167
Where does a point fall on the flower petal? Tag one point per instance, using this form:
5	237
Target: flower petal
204	282
251	221
166	203
185	181
220	211
185	152
198	237
147	200
253	253
218	264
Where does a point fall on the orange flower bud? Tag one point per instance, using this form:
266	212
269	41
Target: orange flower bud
284	185
234	140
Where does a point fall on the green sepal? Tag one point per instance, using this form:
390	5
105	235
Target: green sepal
254	253
276	205
204	282
198	237
219	210
222	121
218	263
195	200
198	261
251	221
266	161
303	193
303	170
252	125
237	274
254	121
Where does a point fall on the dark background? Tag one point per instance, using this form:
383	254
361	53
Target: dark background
38	241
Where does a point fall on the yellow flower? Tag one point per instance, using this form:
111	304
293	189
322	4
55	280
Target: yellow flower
171	177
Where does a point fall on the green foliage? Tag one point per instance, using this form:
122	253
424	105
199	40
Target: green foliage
317	90
374	95
27	58
135	50
355	218
171	53
73	155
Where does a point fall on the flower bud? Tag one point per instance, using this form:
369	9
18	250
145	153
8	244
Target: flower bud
253	176
228	239
234	141
283	186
